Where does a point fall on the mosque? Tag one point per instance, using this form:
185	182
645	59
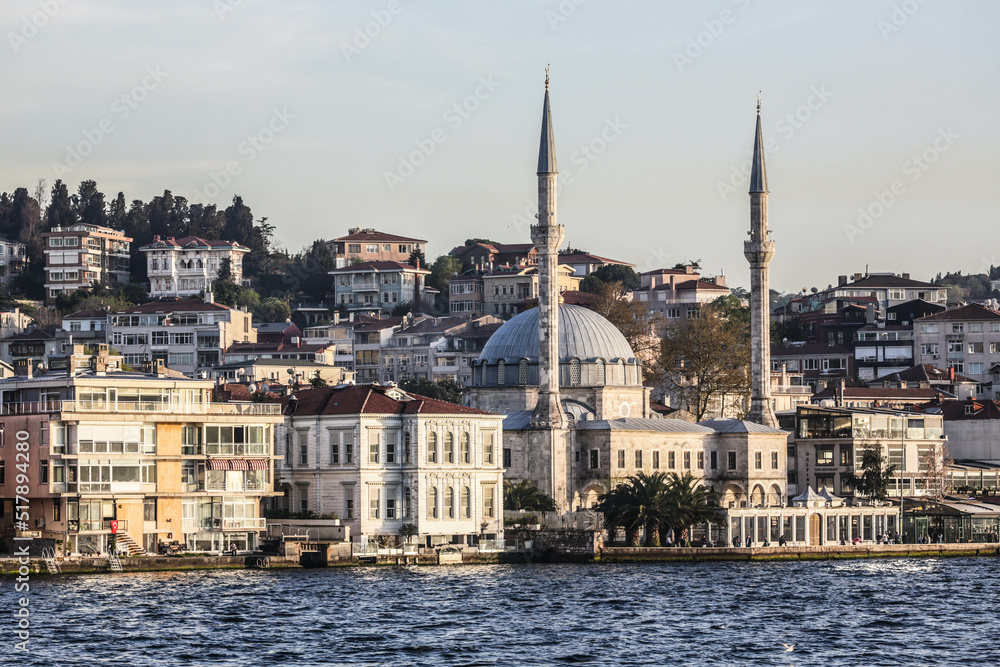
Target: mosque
578	420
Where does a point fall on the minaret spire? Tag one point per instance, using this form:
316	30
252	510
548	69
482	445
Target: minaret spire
547	236
759	251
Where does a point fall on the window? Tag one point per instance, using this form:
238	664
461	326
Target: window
671	460
594	459
489	439
501	371
488	494
349	503
506	457
975	368
57	510
522	372
149	509
373	447
713	458
824	455
432	502
621	458
731	456
449	448
758	460
406	447
407	503
390	508
929	328
161	338
975	348
303	447
43	472
824	482
3	472
958	327
701	460
449	503
432	447
390	447
373	504
929	349
574	372
465	448
774	460
334	448
656	459
975	327
348	447
466	503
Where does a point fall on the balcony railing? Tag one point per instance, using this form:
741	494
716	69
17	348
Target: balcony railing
246	523
36	407
78	525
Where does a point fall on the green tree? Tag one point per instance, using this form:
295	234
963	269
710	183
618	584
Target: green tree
442	270
60	212
317	382
525	495
444	390
611	273
636	322
230	294
401	309
417	258
695	264
272	309
873	482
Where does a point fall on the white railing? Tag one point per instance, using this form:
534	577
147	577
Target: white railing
492	545
247	409
247	523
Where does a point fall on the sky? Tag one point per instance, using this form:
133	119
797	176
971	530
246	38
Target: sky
422	119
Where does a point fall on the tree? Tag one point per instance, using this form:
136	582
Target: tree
525	495
632	318
230	294
706	359
611	273
417	258
272	309
317	382
443	390
695	265
873	482
790	329
935	464
443	268
60	212
401	309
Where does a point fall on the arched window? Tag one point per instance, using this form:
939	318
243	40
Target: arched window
574	372
466	503
621	371
449	448
488	440
449	503
501	371
432	503
432	447
407	503
201	265
465	448
406	446
601	377
522	372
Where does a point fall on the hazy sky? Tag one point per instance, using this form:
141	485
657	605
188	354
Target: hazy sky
323	127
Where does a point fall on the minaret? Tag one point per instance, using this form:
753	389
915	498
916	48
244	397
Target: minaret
547	236
759	250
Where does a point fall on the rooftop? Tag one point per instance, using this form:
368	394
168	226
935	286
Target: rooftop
373	236
191	242
369	399
968	312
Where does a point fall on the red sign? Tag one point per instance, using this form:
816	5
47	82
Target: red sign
114	526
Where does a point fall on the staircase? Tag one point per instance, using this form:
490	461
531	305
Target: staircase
50	561
114	563
133	547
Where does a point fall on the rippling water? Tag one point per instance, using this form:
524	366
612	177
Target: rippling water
874	612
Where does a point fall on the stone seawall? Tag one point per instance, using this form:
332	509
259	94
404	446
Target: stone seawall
666	554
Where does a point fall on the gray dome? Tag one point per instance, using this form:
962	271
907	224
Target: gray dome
583	334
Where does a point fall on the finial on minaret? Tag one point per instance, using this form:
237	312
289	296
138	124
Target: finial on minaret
547	77
758	172
758	101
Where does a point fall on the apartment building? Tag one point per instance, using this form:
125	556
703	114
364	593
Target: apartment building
380	286
12	260
881	349
510	289
186	266
90	326
370	245
78	256
818	364
966	337
13	322
484	256
125	460
829	443
371	337
884	290
678	294
428	348
188	335
584	263
380	459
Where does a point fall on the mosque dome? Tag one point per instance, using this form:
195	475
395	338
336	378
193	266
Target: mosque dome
583	335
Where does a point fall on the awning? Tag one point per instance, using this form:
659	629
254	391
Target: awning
238	464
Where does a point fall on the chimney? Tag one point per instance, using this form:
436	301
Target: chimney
841	280
209	297
869	313
156	238
858	276
839	393
416	289
905	276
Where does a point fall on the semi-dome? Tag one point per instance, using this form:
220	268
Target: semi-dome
583	335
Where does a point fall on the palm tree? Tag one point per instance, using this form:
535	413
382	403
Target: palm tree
641	502
524	495
690	503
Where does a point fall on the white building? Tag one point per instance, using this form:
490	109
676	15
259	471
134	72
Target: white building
12	259
186	266
380	459
967	337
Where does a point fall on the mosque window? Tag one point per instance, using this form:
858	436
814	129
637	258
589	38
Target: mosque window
671	460
574	372
621	458
522	372
600	372
501	371
621	371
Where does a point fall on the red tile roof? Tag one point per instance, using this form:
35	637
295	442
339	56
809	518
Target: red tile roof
955	410
173	306
370	400
875	393
376	236
378	266
581	257
193	242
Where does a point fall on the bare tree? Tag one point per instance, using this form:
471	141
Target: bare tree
935	463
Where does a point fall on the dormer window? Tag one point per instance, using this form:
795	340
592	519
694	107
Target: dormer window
970	409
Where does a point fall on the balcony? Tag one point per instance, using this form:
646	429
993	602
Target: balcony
154	407
76	525
189	524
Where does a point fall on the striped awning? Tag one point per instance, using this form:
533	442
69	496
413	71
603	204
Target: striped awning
238	464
